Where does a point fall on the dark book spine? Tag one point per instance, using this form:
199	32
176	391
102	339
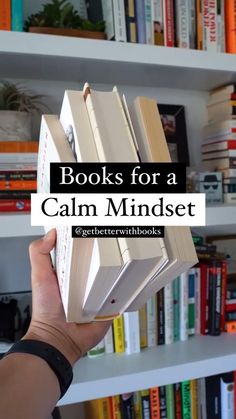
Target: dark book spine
130	20
161	317
178	400
145	404
163	403
214	298
223	294
127	406
16	194
18	175
213	398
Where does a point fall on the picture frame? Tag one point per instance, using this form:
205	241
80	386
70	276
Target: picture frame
174	125
226	244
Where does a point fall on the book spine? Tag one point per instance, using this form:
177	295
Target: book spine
119	337
119	20
130	17
20	194
19	146
213	397
17	15
18	184
18	157
5	15
201	384
158	22
163	404
197	301
191	301
227	395
234	391
230	26
186	399
214	298
178	400
220	26
137	405
145	403
168	13
169	317
204	285
97	350
148	21
131	332
15	205
152	321
182	23
143	326
192	24
210	25
127	406
176	308
194	399
184	306
16	175
115	407
199	19
170	401
154	403
107	11
141	29
108	340
160	317
223	294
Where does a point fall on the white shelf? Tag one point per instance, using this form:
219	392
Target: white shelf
112	374
17	225
33	56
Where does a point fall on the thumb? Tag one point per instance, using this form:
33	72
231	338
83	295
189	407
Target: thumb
39	251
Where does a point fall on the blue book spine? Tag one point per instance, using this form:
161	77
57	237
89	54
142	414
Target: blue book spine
141	21
17	15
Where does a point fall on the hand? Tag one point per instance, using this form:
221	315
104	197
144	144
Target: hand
48	319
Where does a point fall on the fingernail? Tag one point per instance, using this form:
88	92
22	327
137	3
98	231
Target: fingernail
50	234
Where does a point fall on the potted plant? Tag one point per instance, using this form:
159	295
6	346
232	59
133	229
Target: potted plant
59	17
16	109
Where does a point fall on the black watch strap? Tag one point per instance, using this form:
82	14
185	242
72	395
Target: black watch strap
55	359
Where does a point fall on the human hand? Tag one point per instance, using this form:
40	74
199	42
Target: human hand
48	322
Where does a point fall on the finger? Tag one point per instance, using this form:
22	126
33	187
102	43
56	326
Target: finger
40	259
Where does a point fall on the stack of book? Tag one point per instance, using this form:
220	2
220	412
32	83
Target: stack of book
208	397
18	174
103	277
219	143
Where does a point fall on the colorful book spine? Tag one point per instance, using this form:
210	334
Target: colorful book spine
98	409
143	326
18	184
201	385
169	316
230	26
152	321
145	403
5	15
18	175
214	297
15	205
223	294
178	400
163	405
131	332
130	17
199	24
170	401
119	335
148	21
227	392
194	399
176	308
115	407
197	301
17	15
169	31
186	399
192	25
19	146
141	27
154	403
210	25
158	22
137	405
191	301
160	317
204	286
184	306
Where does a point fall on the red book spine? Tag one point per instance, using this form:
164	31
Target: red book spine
5	15
204	271
168	9
15	205
154	403
223	294
178	401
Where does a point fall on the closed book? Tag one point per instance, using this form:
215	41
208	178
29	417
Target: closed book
157	22
168	19
178	400
229	198
16	193
223	294
214	297
140	19
182	23
152	321
219	128
215	164
119	20
143	326
18	175
127	406
213	397
130	18
194	399
222	93
154	403
108	340
163	401
15	205
230	26
204	296
19	146
176	308
145	403
219	154
202	409
161	317
17	15
131	332
115	407
119	334
209	25
227	395
5	15
98	409
184	306
191	301
137	405
169	315
186	399
197	300
107	11
148	21
170	401
20	157
18	184
98	350
199	22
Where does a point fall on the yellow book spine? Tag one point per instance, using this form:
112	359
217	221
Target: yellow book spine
143	326
194	399
137	405
119	334
115	402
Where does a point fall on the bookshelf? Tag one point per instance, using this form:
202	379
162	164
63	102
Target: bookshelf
173	76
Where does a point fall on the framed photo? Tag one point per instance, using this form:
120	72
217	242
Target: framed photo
174	125
226	244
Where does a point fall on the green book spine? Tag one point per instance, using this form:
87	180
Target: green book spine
170	401
176	308
186	399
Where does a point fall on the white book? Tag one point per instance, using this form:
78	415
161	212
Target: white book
152	321
184	306
131	330
182	23
169	314
227	397
109	343
142	257
107	10
148	21
119	20
209	25
25	158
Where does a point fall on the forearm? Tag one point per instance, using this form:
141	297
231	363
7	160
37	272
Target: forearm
28	387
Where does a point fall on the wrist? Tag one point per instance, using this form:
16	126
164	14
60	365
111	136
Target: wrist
54	336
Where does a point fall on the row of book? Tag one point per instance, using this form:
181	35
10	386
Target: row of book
219	138
194	303
210	397
12	15
18	174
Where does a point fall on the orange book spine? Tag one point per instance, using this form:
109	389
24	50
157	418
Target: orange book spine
19	146
199	24
230	26
18	184
5	15
155	403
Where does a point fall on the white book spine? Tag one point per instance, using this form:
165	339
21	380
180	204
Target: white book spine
119	20
152	321
210	25
18	157
109	343
148	21
82	9
107	10
169	314
182	23
184	306
197	301
222	25
132	336
227	400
